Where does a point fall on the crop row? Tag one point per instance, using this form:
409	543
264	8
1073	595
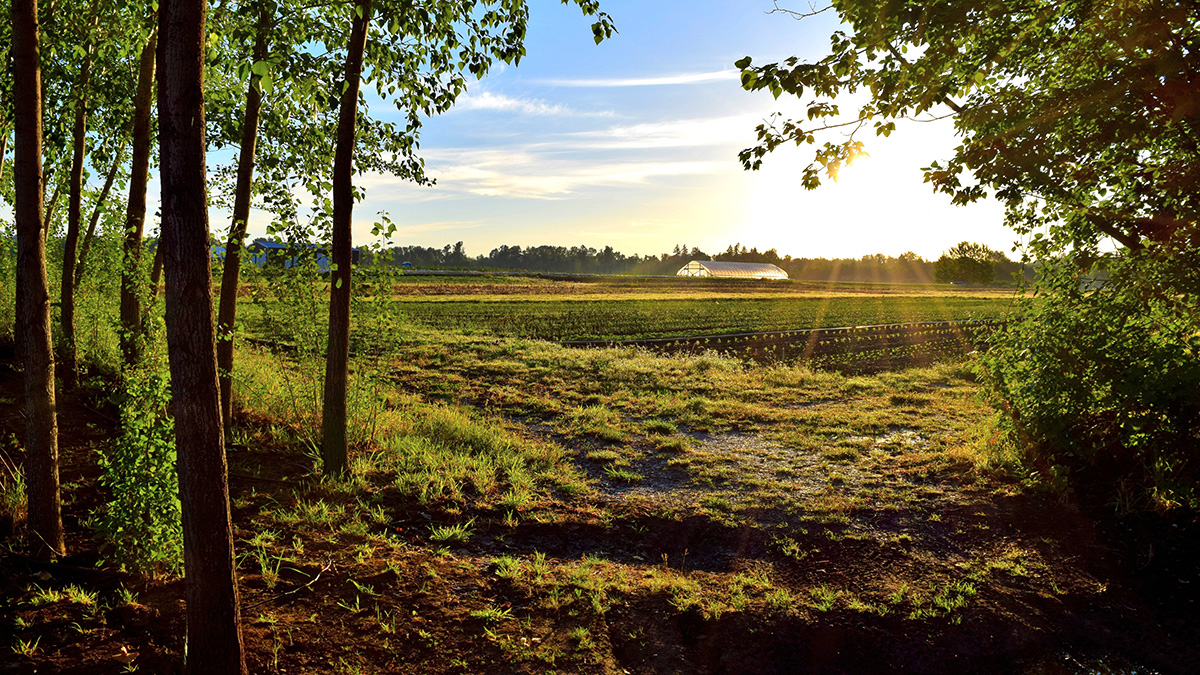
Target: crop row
640	319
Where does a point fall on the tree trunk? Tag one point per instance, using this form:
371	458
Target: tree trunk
33	321
135	212
214	643
333	425
48	216
74	207
156	273
86	248
3	150
227	313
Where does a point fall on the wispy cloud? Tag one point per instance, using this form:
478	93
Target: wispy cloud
521	173
664	80
438	226
524	106
710	131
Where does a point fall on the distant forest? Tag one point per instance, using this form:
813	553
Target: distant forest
907	268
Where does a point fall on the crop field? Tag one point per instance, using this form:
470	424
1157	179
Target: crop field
627	318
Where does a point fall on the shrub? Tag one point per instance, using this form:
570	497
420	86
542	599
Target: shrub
141	522
1100	383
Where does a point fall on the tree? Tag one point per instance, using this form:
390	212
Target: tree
214	643
231	272
87	65
135	211
428	52
1084	119
969	262
33	314
80	93
333	424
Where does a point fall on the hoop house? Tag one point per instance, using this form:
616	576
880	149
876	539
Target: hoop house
731	270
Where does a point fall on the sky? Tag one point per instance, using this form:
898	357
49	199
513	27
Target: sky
633	143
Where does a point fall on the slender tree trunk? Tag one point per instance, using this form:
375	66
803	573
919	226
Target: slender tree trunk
33	321
3	151
74	208
135	212
48	218
333	425
227	313
213	636
156	272
97	210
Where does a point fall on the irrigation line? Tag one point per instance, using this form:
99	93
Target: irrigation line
785	333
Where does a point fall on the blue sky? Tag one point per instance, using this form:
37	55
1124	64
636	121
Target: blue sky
633	143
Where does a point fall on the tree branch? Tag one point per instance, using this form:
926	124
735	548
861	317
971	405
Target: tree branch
813	11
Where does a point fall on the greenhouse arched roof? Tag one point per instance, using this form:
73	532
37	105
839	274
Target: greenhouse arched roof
731	270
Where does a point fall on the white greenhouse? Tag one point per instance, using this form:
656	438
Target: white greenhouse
731	270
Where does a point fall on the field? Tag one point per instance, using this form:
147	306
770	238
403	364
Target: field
602	310
516	506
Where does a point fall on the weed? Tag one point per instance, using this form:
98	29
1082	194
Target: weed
45	596
25	647
672	444
824	598
492	614
780	599
459	533
12	493
603	455
79	596
507	567
660	426
622	475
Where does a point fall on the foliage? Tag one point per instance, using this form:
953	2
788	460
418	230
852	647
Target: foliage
1052	103
141	522
970	262
1082	117
1099	385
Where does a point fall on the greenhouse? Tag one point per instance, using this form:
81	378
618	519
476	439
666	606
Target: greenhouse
731	270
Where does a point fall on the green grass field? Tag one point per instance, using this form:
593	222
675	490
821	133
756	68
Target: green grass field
635	318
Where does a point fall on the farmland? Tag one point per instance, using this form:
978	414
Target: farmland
517	506
635	318
616	308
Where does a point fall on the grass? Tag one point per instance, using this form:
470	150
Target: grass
12	493
545	495
458	533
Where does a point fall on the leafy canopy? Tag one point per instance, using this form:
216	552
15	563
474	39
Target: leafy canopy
1083	116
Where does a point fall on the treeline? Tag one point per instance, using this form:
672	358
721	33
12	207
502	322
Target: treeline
965	262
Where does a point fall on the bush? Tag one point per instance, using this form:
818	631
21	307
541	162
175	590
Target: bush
1100	383
141	523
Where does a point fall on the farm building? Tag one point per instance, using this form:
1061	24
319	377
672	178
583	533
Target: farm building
731	270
